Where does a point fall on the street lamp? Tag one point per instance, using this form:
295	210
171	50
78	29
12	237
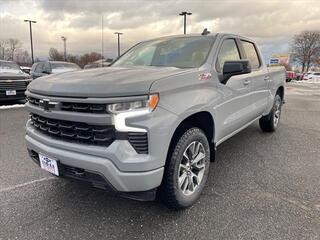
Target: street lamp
118	33
30	27
64	39
184	14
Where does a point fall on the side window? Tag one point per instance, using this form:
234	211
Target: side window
228	52
251	54
46	67
39	68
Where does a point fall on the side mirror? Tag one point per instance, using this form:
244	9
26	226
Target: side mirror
232	68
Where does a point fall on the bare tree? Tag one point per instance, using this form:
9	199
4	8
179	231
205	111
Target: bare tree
22	57
306	48
89	58
82	60
55	55
3	46
13	45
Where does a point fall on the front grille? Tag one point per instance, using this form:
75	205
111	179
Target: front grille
139	141
14	85
85	133
96	108
74	131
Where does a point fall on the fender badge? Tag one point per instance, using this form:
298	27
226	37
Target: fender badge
204	76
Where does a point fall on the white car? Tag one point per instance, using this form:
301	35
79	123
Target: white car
313	76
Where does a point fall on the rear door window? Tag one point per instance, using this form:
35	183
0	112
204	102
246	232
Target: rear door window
251	54
228	52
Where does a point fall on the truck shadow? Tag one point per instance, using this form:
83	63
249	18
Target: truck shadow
11	102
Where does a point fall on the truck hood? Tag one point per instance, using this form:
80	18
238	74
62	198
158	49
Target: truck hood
102	82
13	75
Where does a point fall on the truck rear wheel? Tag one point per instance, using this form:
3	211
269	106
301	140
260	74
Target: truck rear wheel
187	169
270	122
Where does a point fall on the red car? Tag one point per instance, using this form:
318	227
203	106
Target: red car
290	75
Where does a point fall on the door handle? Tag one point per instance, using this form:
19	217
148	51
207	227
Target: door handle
266	78
246	82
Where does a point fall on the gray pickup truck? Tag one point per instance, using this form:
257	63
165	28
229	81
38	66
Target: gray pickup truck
150	124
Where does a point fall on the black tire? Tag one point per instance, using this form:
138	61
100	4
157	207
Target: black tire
269	123
171	193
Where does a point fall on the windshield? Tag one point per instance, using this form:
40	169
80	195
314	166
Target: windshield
180	52
9	67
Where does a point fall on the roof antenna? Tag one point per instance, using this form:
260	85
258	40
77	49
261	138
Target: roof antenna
205	32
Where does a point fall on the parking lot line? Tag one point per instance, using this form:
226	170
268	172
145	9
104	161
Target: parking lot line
25	184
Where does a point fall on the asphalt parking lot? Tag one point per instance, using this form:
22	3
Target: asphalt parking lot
262	186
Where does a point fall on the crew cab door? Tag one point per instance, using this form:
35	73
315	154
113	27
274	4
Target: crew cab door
232	112
258	80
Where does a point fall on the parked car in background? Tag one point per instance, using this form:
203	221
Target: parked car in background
13	81
99	63
40	69
299	76
290	75
316	76
313	76
150	123
26	69
306	76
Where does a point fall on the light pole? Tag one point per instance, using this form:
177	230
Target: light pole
64	39
118	33
184	14
30	27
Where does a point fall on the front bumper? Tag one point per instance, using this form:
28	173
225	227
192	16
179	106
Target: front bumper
19	96
119	180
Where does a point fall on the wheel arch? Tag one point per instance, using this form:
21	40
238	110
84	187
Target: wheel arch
203	120
280	91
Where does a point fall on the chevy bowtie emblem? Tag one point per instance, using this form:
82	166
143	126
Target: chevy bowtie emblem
46	104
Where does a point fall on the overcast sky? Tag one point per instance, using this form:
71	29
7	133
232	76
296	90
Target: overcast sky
271	23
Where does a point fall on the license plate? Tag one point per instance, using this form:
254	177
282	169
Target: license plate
49	164
11	92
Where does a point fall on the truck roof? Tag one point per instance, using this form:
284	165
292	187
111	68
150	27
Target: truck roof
212	35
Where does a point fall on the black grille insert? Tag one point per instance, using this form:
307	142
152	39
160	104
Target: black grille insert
84	107
97	108
34	101
139	141
74	131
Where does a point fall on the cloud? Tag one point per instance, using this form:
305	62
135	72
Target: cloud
272	23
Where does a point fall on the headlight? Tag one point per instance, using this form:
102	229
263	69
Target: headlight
147	104
122	111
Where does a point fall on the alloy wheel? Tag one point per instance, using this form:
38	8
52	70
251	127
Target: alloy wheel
192	168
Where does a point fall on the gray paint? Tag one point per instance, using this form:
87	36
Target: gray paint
102	82
233	106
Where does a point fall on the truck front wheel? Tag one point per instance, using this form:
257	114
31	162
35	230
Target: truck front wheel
270	122
187	169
